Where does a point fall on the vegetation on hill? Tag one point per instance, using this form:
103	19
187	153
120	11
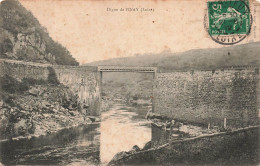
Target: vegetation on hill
198	59
130	85
23	38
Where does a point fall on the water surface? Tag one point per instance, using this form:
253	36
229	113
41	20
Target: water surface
120	129
64	147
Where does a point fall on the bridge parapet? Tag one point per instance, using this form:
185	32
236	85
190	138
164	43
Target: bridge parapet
79	68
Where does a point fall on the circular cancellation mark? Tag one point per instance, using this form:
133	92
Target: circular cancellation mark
228	22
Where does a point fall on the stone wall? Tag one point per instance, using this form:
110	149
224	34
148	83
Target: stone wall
20	70
194	96
209	96
85	82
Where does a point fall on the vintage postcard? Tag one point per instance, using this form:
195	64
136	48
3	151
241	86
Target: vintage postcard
129	82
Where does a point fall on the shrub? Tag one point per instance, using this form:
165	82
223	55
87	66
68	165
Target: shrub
11	85
32	81
52	78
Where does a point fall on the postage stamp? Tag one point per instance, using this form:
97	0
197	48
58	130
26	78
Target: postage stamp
229	22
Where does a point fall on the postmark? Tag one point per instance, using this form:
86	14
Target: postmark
228	22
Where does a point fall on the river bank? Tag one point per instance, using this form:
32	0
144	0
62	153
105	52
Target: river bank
79	144
190	144
239	147
121	128
30	108
43	131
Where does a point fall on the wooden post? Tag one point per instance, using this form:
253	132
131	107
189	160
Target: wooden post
153	93
225	123
100	77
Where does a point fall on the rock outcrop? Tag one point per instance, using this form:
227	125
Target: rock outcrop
23	38
26	45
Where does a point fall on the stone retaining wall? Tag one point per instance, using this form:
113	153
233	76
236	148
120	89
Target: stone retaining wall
194	96
209	96
20	70
85	82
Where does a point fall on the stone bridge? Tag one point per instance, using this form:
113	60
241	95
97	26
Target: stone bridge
194	96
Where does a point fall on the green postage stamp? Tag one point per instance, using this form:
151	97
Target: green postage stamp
229	22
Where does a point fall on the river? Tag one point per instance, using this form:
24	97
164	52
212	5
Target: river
120	129
123	127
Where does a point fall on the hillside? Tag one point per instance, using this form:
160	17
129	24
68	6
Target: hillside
198	59
129	85
23	38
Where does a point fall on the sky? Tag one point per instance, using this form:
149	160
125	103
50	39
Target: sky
93	30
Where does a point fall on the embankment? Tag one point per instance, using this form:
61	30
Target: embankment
239	147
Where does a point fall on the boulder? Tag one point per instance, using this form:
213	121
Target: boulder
92	118
1	114
44	104
90	158
134	149
20	128
4	122
47	104
123	154
147	146
83	111
87	120
34	91
54	110
157	116
178	125
70	107
98	119
86	106
157	120
1	103
72	113
119	155
22	106
151	115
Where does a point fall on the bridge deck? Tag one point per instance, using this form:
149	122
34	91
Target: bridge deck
127	69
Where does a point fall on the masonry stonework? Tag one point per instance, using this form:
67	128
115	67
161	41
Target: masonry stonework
20	70
85	83
209	96
194	96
